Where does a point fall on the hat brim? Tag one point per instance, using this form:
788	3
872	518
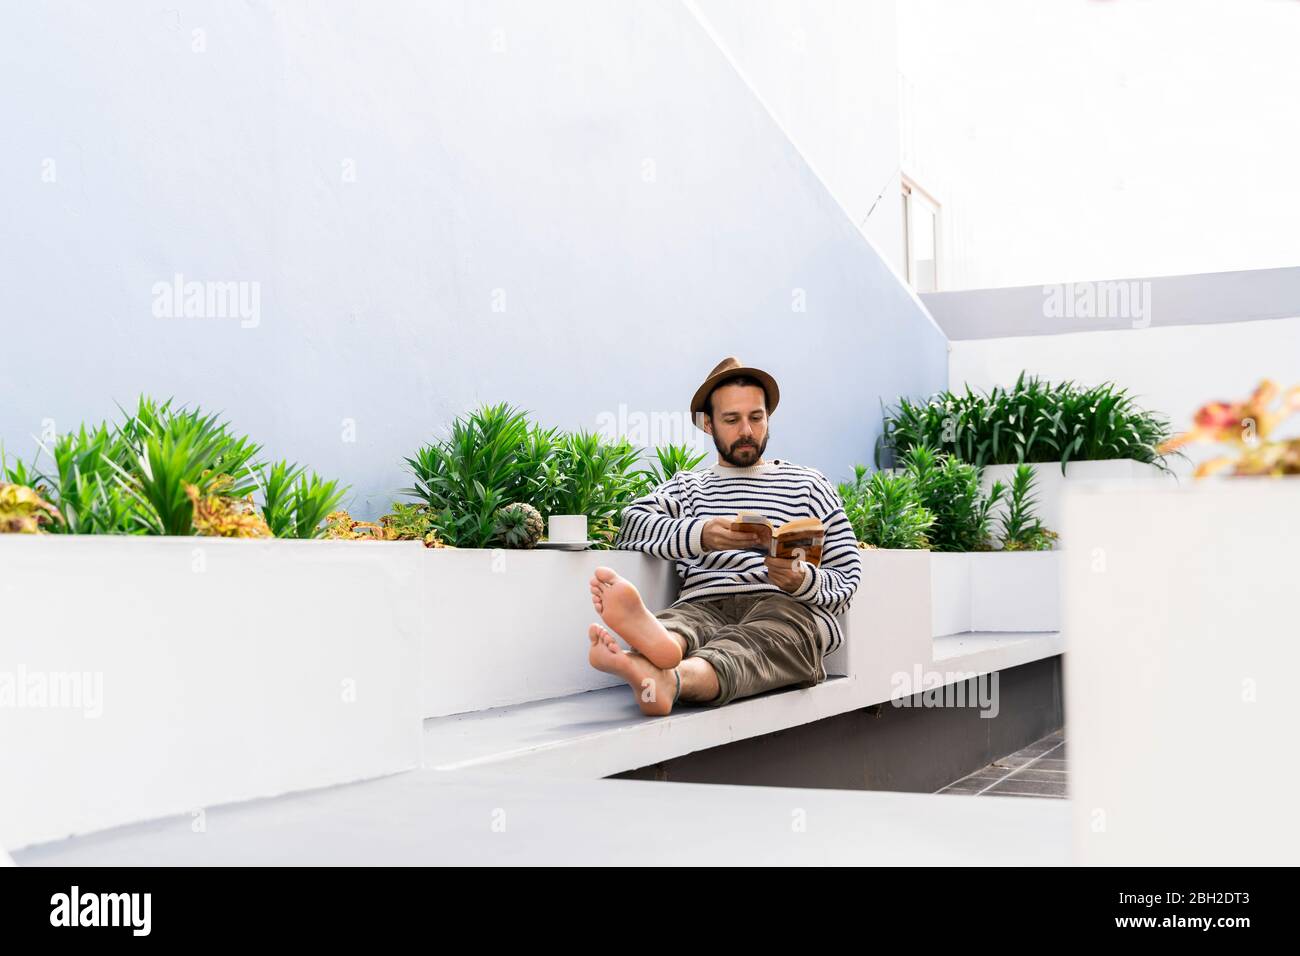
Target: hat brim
702	393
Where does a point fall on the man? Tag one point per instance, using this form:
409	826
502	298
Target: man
744	622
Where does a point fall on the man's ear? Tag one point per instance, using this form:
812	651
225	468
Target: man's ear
705	422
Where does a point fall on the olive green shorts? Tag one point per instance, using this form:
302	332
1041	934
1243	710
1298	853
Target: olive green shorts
754	642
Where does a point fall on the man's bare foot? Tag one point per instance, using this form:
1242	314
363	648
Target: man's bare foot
654	687
619	604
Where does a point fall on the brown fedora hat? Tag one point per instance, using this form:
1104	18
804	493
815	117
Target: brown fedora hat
727	368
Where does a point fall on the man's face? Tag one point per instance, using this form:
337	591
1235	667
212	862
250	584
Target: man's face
738	424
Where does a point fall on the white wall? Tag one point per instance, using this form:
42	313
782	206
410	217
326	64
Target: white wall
1179	646
827	69
1074	140
393	176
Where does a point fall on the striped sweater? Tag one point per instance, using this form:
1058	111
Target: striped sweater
670	520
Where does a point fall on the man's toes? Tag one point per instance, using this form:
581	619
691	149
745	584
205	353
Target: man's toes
605	576
598	634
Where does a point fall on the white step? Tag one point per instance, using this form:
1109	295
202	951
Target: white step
602	732
424	818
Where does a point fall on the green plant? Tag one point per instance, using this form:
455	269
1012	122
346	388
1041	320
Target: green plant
598	475
164	450
670	459
294	503
495	457
170	470
885	510
410	522
18	473
491	458
1021	528
950	489
406	522
86	484
1033	421
519	525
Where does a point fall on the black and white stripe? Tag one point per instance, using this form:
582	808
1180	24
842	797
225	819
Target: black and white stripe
669	521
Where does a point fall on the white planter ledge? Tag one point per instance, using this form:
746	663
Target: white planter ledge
198	671
1049	484
226	668
995	591
510	626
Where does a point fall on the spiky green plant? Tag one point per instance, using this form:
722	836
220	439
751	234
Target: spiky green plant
295	503
602	476
165	449
18	472
669	460
146	474
465	478
86	482
1021	528
599	475
885	510
1033	421
495	456
950	489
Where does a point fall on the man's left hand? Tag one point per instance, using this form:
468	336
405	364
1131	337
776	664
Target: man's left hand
786	573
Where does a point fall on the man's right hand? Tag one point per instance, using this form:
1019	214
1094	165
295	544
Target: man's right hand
718	536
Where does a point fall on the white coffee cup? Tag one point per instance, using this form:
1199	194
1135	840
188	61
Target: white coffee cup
567	529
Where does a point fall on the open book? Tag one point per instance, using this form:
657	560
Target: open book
801	538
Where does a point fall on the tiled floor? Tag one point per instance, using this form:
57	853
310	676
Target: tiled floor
1039	770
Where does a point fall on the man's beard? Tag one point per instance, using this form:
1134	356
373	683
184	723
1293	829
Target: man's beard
749	451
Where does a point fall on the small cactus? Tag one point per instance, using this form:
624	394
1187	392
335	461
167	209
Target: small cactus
519	525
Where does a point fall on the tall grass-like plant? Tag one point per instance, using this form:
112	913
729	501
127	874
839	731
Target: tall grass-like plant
599	475
495	456
670	459
600	478
85	481
1021	528
885	510
21	474
950	489
167	450
491	458
1033	421
294	503
148	474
